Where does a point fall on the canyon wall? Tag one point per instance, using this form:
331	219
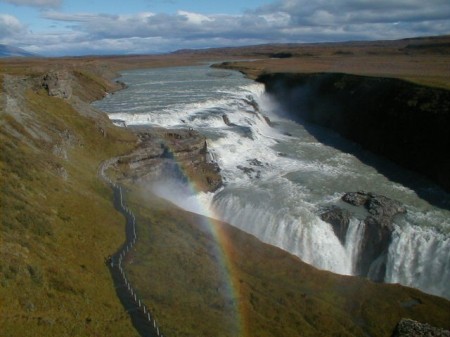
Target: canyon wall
404	122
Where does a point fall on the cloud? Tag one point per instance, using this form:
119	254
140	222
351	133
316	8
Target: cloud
195	18
183	25
328	12
10	28
280	21
35	3
327	20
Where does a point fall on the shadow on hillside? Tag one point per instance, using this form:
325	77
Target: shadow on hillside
139	320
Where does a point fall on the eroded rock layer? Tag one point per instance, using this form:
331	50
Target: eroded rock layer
170	154
404	122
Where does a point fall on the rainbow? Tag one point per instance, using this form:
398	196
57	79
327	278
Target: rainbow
223	252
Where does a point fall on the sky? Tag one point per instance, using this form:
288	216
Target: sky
87	27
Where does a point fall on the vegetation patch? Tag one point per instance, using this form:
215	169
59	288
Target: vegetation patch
57	220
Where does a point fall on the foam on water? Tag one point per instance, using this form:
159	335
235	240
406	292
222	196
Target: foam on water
420	258
296	230
278	176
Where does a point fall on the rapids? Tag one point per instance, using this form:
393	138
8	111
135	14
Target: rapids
278	176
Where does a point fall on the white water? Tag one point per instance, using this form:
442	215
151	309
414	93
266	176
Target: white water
277	178
353	241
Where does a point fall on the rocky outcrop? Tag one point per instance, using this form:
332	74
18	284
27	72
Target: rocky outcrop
177	154
226	120
58	84
253	169
339	219
382	210
378	226
401	121
377	232
410	328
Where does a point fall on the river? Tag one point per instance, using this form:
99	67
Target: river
278	176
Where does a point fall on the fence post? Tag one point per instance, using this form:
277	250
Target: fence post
125	250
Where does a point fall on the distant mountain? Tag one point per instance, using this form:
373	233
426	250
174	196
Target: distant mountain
10	51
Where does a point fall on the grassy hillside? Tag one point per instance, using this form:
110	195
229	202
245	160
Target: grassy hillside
422	61
57	219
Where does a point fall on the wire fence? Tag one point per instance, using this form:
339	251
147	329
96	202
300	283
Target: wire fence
142	318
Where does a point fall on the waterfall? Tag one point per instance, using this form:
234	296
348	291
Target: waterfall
420	258
302	234
278	175
353	239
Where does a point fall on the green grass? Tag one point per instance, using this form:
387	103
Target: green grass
58	223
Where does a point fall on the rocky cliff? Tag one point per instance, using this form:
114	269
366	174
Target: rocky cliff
380	213
164	154
404	122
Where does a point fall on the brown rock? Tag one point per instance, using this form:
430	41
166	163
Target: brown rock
178	154
377	233
339	219
410	328
58	84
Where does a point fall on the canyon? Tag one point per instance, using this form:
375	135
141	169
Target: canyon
58	223
401	121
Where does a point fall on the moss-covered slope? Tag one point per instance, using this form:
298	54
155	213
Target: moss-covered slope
57	221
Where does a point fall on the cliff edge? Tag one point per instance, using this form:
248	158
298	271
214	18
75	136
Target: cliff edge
404	122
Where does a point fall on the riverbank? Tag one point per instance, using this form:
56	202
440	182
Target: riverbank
393	103
194	272
422	61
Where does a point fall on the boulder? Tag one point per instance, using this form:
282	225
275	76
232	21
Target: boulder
380	208
410	328
268	121
226	120
355	198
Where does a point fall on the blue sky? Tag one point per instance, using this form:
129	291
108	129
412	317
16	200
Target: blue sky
80	27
